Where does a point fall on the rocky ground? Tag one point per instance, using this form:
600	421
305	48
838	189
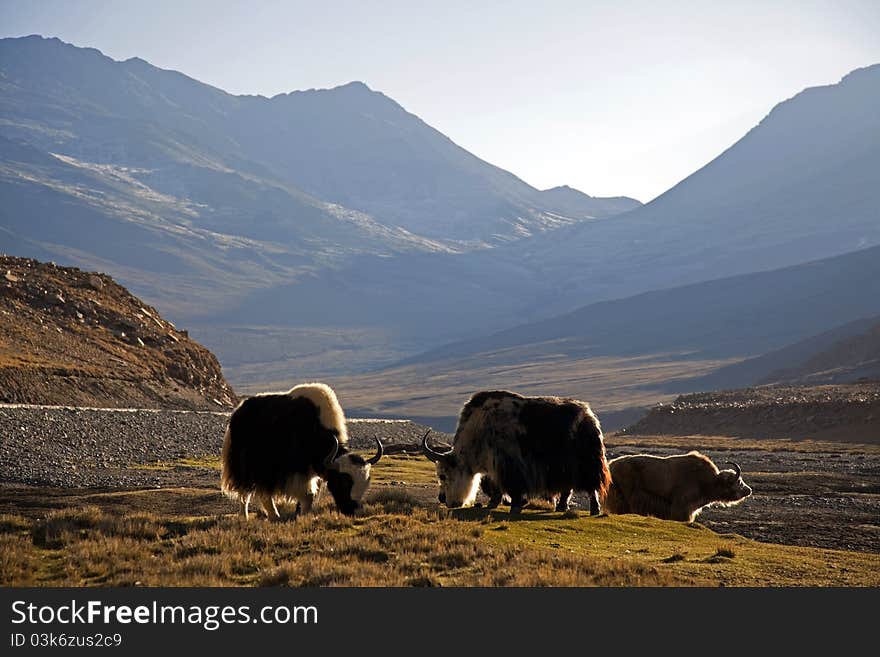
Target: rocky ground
841	412
811	494
117	448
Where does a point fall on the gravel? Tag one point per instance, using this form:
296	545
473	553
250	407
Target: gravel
84	448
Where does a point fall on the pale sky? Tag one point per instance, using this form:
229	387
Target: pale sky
614	98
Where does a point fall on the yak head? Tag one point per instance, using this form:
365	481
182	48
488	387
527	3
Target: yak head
348	476
729	486
458	481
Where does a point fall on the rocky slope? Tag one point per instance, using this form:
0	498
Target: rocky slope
71	337
844	412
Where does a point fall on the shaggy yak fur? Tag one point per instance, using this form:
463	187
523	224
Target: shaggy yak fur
671	487
523	447
280	447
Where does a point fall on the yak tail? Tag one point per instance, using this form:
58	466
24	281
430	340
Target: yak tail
227	477
604	478
591	447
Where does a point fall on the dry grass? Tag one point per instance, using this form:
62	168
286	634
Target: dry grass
402	539
397	543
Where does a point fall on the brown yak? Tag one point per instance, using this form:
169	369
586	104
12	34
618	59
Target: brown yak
671	487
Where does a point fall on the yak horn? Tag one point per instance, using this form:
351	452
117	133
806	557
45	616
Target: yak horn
332	455
379	452
739	471
430	453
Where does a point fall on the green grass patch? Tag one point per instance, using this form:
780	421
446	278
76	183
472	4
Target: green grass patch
199	463
404	469
688	551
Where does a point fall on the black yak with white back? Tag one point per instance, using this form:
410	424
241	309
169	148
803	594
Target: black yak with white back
674	487
526	447
279	447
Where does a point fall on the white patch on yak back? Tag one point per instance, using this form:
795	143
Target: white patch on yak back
322	396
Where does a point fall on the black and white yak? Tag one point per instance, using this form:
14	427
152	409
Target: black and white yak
279	447
523	447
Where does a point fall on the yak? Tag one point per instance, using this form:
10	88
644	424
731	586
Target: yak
282	446
522	447
674	487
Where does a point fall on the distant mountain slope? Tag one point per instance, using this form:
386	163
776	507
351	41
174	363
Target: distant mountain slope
803	185
71	337
624	356
737	316
848	359
844	354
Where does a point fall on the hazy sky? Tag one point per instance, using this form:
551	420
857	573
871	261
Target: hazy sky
609	97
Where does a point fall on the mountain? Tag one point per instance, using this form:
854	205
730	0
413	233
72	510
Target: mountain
802	185
629	353
736	316
198	199
349	146
73	337
354	235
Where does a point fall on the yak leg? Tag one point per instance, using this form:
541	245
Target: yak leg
564	500
594	503
517	502
682	513
306	502
268	506
492	491
514	482
245	503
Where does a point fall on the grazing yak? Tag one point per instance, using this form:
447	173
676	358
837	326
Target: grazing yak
671	487
522	447
282	446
